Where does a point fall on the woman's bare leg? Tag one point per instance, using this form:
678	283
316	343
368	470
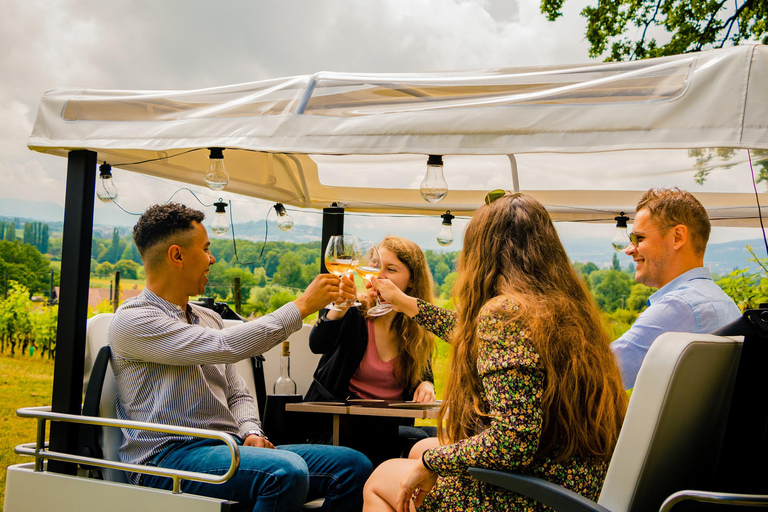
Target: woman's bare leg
380	492
421	446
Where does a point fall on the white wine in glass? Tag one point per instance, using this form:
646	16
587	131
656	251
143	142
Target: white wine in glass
340	258
368	266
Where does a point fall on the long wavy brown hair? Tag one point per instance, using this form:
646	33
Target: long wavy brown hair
417	345
511	249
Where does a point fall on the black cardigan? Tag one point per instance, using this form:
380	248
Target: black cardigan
342	343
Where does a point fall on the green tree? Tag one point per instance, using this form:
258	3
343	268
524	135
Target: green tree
24	264
131	252
36	233
259	276
116	247
105	269
446	289
10	232
441	271
610	288
638	297
247	280
626	28
129	269
271	261
289	271
15	321
44	327
280	299
615	264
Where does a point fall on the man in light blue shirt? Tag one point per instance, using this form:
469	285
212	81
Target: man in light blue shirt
669	237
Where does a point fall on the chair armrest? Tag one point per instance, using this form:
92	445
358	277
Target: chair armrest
550	494
718	498
40	451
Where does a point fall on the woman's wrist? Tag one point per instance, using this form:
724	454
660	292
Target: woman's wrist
424	461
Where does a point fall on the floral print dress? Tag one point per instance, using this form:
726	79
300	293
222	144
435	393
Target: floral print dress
513	382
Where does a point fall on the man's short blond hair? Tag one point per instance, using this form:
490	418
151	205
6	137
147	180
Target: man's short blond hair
672	206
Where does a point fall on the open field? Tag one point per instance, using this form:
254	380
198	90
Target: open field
25	382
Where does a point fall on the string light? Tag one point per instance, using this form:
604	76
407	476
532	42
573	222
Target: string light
445	236
217	177
284	221
220	225
433	187
620	240
106	190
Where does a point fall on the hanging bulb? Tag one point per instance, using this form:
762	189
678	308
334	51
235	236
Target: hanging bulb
284	221
620	240
220	225
217	177
445	236
105	189
433	187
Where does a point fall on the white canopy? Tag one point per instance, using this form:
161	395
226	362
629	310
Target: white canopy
586	140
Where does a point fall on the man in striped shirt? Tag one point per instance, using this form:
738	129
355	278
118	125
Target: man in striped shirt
174	364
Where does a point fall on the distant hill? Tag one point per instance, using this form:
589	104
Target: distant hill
720	258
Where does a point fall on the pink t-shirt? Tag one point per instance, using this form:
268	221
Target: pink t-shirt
374	378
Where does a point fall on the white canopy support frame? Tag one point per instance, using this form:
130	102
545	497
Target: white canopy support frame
586	140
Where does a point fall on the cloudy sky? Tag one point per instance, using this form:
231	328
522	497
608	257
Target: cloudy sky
190	44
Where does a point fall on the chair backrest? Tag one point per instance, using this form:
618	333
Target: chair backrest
110	439
675	422
303	362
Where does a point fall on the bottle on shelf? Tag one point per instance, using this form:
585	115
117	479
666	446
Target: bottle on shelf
285	385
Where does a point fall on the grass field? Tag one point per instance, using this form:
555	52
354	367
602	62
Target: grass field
26	382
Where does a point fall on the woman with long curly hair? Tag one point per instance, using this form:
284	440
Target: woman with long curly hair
385	357
533	386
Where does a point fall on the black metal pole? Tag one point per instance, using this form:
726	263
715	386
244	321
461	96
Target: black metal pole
333	224
73	302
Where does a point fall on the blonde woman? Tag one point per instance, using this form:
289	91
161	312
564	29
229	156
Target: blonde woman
533	386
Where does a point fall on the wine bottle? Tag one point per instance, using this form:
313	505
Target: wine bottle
285	385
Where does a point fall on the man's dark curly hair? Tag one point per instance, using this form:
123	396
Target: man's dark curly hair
161	221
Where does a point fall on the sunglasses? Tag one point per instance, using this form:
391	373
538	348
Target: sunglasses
635	239
494	195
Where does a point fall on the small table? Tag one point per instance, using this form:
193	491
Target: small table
368	408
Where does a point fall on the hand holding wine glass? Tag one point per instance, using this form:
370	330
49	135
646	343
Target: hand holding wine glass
340	258
369	266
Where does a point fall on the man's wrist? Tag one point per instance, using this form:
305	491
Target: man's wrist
254	432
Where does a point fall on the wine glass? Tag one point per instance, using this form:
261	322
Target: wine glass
340	258
368	266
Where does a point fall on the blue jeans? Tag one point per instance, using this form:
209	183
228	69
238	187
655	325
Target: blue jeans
280	479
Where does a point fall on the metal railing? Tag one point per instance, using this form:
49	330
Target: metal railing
39	450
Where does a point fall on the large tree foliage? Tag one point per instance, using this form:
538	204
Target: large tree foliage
24	264
628	29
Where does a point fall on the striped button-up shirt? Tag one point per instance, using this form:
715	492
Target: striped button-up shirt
179	372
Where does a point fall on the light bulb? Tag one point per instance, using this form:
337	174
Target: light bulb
105	189
220	225
217	177
433	187
284	221
445	236
620	240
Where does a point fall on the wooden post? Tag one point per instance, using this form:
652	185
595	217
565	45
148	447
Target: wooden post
50	295
238	296
116	296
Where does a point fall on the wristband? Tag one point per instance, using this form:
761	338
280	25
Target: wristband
424	462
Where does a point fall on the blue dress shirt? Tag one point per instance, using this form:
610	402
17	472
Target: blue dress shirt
691	302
